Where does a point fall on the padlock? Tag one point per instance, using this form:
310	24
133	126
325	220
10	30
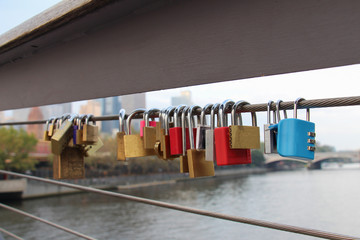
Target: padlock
62	136
202	127
184	163
120	137
134	144
243	137
54	126
209	135
143	124
175	132
69	164
296	137
165	138
46	136
224	154
78	134
90	132
269	134
198	166
149	129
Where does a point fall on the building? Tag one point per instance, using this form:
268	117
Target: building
184	98
36	129
91	107
110	106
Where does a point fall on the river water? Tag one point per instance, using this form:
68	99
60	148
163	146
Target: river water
327	200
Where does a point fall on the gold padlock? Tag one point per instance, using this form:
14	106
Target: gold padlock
69	164
90	132
134	144
243	137
52	126
149	131
120	137
46	136
198	166
62	136
79	131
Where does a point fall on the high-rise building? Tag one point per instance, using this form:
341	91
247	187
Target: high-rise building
132	102
184	98
36	129
92	107
110	106
56	110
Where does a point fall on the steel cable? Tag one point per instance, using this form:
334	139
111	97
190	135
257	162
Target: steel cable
261	223
46	221
10	234
314	103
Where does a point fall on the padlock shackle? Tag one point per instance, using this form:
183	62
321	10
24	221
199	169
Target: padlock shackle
296	102
134	113
184	113
122	120
190	118
168	113
278	110
214	110
224	109
177	115
48	122
235	120
205	110
89	117
268	111
148	113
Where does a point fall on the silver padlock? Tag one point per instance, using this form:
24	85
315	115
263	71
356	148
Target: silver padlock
209	135
202	127
269	134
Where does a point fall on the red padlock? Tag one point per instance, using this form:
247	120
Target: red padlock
224	154
143	124
175	133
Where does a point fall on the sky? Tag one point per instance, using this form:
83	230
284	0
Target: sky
334	126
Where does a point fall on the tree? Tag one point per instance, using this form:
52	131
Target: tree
15	146
257	158
324	148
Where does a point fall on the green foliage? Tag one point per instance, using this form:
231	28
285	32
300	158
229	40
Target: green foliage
257	158
324	148
15	146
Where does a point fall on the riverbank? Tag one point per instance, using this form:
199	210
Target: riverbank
36	189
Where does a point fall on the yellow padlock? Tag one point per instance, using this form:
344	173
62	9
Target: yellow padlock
134	144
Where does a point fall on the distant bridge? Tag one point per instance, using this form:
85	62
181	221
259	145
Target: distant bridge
319	158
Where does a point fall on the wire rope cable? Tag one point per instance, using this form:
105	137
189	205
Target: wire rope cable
313	103
260	223
46	221
10	234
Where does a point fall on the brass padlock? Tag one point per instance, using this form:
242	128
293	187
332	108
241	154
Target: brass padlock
69	164
46	136
184	165
52	126
134	144
62	136
120	137
243	137
79	131
90	132
149	132
198	166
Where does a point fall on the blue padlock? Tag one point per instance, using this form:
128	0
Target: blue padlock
295	137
